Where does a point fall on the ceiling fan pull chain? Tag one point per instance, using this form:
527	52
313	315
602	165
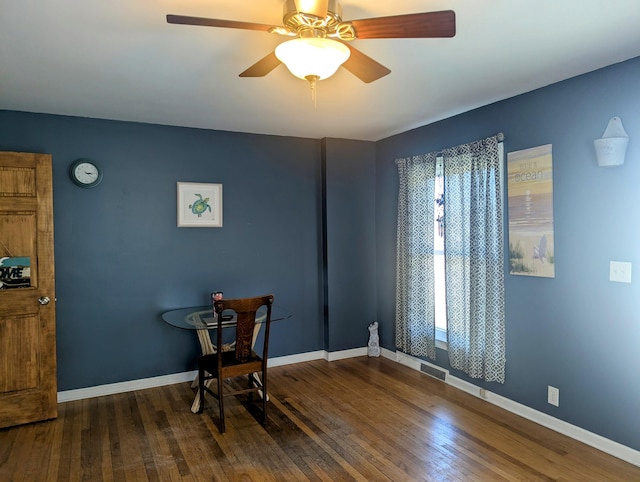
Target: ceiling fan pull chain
314	94
313	83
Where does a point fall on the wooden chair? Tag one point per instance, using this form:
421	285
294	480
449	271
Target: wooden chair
243	360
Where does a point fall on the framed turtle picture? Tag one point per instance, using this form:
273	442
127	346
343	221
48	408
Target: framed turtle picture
199	205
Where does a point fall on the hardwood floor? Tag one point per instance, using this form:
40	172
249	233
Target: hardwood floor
357	419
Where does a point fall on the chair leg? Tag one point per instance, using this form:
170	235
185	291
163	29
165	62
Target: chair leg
250	381
265	398
221	403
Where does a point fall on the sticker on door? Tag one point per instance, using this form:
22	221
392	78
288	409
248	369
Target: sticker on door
15	272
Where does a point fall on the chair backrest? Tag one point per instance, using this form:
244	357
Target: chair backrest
245	309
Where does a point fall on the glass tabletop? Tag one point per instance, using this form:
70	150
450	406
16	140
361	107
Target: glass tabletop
201	317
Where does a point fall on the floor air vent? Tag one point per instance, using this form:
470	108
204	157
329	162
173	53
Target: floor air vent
435	372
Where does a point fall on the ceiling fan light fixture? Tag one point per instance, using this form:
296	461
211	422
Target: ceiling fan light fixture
312	57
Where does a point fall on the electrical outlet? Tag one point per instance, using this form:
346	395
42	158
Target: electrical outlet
553	396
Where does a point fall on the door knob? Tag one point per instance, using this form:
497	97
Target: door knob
44	300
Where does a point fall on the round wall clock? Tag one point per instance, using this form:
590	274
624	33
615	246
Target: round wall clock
85	173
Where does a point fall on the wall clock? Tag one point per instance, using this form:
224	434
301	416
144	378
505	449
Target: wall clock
85	173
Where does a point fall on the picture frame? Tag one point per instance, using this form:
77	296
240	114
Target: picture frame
199	205
530	211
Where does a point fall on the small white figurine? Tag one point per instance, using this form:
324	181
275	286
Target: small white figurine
373	347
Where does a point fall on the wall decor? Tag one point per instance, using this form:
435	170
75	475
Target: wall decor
199	205
530	198
15	272
611	148
85	173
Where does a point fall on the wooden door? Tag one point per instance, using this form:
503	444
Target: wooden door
28	387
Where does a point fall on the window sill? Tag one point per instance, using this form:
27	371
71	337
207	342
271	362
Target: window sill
441	339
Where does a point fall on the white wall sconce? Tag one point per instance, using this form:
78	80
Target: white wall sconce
612	146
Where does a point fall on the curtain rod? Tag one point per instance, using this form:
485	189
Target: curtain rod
499	135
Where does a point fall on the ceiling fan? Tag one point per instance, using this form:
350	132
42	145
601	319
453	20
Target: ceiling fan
317	27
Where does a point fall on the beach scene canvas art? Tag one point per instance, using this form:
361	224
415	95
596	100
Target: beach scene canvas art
530	199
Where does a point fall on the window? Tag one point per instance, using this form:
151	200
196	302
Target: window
438	258
450	270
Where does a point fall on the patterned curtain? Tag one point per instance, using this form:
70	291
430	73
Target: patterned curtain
474	264
415	305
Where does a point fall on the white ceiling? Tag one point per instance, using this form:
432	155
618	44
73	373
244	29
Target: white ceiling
119	59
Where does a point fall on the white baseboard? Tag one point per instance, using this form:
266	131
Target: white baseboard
298	358
594	440
141	384
589	438
122	387
341	355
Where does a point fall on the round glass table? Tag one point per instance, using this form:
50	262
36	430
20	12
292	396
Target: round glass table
200	319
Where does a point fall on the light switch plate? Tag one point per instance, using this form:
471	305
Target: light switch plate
620	271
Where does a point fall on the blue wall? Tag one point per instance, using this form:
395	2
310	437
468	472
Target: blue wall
349	226
579	331
121	261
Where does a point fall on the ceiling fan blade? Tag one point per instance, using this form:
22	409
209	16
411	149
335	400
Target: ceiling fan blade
318	8
214	22
364	67
412	25
262	67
